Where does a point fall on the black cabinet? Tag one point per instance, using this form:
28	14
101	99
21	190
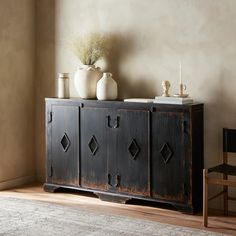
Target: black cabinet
113	150
170	164
126	150
93	148
63	140
132	146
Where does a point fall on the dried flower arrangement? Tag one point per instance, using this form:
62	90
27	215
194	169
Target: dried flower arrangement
90	48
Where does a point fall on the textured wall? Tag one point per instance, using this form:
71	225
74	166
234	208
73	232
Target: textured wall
45	74
149	39
17	103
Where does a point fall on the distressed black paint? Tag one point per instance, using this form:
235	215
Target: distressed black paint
127	150
65	145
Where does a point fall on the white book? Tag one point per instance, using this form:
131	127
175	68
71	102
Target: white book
172	100
145	100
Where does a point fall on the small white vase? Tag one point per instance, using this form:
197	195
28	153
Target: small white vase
107	87
85	81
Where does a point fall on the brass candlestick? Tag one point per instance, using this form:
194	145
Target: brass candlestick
181	93
181	89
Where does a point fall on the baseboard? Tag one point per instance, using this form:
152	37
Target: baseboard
40	178
12	183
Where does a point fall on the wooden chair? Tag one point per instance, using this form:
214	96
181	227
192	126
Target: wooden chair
229	145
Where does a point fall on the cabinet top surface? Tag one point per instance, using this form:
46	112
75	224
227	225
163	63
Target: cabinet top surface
118	103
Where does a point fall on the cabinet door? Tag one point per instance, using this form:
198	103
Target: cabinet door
169	156
65	145
133	152
94	148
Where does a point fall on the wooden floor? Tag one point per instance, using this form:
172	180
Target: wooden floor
217	222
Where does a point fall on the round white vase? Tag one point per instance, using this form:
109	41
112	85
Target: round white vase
107	87
85	81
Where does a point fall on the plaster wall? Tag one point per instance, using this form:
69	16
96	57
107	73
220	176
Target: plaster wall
45	74
149	39
17	104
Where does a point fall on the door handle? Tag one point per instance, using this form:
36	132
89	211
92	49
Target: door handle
109	179
117	121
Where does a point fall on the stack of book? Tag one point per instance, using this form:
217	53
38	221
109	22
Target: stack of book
172	100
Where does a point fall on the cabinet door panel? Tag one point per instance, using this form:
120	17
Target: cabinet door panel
169	156
65	145
93	148
132	152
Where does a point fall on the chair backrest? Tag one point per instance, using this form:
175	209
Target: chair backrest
229	140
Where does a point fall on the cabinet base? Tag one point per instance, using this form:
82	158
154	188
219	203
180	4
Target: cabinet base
119	198
51	188
112	198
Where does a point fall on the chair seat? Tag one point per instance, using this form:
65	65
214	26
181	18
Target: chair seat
224	169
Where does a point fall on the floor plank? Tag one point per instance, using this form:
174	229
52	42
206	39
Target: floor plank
141	210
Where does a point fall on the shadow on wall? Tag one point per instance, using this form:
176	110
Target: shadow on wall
219	113
122	47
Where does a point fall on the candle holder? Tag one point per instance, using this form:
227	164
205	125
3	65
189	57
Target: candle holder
181	93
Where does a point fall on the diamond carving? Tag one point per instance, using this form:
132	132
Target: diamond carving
93	145
133	149
166	153
65	142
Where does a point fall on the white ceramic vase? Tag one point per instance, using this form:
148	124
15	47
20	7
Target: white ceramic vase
107	87
85	81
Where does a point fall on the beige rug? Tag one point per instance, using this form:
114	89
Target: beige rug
30	217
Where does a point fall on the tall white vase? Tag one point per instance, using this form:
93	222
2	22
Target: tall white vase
107	87
85	81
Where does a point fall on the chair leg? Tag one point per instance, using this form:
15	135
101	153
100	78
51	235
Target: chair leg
205	197
225	197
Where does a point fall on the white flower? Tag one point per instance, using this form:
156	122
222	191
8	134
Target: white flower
90	48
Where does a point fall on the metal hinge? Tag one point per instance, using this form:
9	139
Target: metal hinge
50	174
153	109
186	191
184	126
49	117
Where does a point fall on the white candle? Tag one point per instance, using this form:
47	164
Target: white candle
180	73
